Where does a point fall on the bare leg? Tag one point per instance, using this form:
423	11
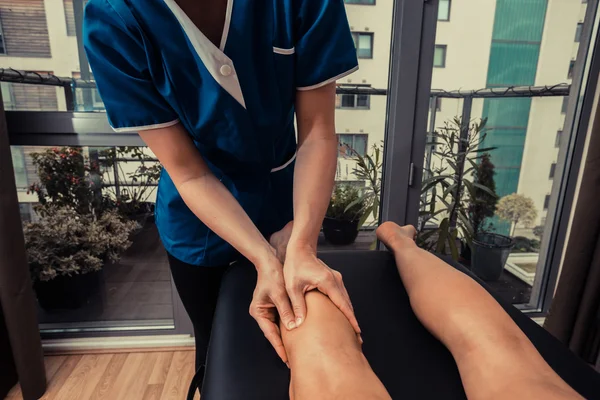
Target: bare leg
494	357
326	359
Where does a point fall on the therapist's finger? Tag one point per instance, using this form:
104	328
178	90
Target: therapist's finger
298	300
331	289
273	335
284	308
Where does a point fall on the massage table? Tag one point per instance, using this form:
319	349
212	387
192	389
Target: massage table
411	363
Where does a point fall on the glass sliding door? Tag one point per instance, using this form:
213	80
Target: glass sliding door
503	113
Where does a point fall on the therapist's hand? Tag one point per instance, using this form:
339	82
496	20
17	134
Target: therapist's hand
303	272
270	302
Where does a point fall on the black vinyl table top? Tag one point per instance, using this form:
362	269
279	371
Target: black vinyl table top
410	362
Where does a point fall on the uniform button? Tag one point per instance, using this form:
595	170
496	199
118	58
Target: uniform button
225	70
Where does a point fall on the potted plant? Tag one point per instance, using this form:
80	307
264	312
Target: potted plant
345	210
449	187
131	190
78	229
483	204
66	250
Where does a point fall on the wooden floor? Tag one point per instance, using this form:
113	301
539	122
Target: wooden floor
147	376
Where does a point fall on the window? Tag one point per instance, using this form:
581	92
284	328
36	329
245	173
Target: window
18	160
546	202
7	96
552	170
2	47
439	56
578	32
565	105
70	17
558	138
353	101
571	68
365	2
364	44
25	29
444	10
350	143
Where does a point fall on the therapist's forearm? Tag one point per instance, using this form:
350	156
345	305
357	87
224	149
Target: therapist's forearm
313	183
214	205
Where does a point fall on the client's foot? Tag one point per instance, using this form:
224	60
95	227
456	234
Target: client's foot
279	240
396	237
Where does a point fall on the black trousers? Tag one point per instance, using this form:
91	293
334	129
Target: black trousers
198	288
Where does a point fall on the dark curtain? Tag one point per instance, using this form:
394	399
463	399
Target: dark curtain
16	294
574	316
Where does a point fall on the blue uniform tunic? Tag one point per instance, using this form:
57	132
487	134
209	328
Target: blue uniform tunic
154	68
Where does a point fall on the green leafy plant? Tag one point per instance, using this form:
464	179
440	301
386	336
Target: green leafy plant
368	169
448	188
517	208
346	203
131	190
68	179
483	204
66	242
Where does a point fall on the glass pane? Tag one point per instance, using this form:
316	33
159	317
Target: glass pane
362	101
105	270
439	56
444	10
364	45
360	124
27	48
348	100
511	141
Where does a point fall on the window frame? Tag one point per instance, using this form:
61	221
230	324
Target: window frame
357	41
3	51
558	138
356	107
443	47
449	10
552	171
354	135
578	32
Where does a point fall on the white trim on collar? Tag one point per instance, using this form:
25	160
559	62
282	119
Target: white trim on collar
285	52
145	127
227	23
214	59
335	78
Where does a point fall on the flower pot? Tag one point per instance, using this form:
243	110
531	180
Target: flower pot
340	232
67	292
490	252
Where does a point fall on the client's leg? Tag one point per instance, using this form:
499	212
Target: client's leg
495	358
325	357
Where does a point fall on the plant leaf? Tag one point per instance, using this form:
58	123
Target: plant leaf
443	235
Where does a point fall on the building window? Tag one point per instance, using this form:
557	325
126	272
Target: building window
444	10
546	202
565	105
439	56
7	96
349	144
578	32
552	170
2	46
366	2
363	41
353	101
571	68
18	160
558	138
